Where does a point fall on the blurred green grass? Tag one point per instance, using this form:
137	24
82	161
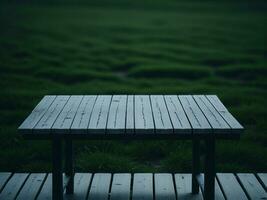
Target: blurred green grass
140	47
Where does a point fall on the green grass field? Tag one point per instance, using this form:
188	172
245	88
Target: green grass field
144	48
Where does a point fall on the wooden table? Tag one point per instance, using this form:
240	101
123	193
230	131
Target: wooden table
195	117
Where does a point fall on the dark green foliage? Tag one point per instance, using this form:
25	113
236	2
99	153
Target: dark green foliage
142	47
178	72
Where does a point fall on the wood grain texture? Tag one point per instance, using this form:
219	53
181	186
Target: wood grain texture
45	124
252	186
164	187
37	113
13	186
4	176
218	192
263	179
83	115
217	123
162	119
100	187
117	115
98	121
195	116
121	187
228	117
130	115
231	187
46	191
31	187
81	187
178	117
184	186
144	122
143	186
65	118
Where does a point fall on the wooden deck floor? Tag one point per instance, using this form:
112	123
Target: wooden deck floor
162	186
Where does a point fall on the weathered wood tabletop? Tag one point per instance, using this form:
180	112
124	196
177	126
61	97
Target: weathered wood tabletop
144	116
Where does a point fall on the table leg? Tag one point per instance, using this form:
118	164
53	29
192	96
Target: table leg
69	169
57	179
195	165
209	174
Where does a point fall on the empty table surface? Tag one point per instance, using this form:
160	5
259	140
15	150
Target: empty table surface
132	116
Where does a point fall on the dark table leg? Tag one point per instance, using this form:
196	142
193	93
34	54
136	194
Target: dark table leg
195	165
209	173
57	179
69	165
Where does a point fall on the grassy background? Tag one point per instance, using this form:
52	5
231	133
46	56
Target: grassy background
142	47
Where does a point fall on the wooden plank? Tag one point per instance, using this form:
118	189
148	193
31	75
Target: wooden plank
263	179
46	191
178	117
195	116
48	119
64	120
218	191
81	186
143	115
228	117
142	186
83	115
130	115
4	176
117	115
162	119
31	186
37	113
230	186
98	121
217	123
121	185
252	186
100	187
13	186
183	184
164	188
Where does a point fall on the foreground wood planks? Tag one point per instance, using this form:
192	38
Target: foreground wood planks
100	187
252	186
164	187
143	186
31	186
46	190
263	179
4	176
82	182
183	184
13	186
140	116
121	187
230	186
139	186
